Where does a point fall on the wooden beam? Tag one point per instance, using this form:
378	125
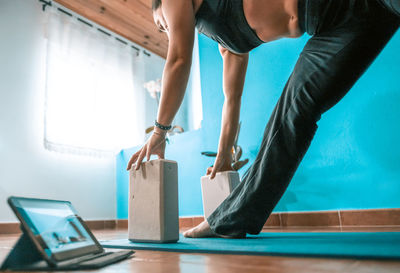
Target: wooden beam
132	19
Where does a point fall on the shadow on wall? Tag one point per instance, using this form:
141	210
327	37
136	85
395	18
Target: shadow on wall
378	130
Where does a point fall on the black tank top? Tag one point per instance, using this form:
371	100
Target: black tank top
224	22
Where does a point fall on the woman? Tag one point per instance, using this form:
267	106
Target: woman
347	35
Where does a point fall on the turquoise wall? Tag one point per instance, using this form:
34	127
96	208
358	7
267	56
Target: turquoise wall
353	161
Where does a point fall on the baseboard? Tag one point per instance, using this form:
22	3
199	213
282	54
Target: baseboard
335	219
14	227
339	219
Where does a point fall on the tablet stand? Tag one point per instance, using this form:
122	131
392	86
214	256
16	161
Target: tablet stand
23	255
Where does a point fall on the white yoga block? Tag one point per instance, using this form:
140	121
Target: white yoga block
215	191
153	202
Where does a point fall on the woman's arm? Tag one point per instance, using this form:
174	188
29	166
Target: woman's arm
234	72
179	23
179	16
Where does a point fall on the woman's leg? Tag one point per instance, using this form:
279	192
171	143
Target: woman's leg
329	65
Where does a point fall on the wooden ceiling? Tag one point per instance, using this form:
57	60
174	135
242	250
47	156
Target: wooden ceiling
132	19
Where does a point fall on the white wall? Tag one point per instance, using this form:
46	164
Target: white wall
26	168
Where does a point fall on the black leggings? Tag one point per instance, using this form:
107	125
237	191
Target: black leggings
347	35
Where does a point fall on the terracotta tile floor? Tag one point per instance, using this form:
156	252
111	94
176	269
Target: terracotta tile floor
155	261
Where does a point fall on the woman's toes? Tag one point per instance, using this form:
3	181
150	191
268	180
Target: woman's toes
188	233
201	231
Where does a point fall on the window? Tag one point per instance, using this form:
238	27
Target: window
96	103
94	99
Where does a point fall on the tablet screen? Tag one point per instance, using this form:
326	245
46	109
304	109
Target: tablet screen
54	224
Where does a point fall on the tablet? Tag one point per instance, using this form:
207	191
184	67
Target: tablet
55	228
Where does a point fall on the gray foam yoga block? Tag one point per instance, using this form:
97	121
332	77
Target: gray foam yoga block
153	202
215	191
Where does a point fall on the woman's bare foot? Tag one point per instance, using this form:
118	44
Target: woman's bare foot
203	230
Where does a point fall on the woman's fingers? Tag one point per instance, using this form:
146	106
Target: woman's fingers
128	167
209	170
159	149
133	159
213	172
141	156
222	163
160	155
162	151
215	168
153	146
148	153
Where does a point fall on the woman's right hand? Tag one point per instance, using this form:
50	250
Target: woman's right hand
155	145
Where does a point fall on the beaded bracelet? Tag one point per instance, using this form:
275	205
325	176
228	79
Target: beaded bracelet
162	127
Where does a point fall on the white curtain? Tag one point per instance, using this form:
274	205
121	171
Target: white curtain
94	89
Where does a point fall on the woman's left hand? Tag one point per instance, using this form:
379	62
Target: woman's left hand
222	163
155	145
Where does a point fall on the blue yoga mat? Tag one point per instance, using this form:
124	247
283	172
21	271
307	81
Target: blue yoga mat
367	245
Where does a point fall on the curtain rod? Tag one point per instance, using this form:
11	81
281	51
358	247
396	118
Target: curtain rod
45	4
89	24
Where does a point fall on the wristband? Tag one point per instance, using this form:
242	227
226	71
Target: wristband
162	127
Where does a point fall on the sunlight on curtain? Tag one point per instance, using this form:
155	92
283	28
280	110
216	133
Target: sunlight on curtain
195	114
94	95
